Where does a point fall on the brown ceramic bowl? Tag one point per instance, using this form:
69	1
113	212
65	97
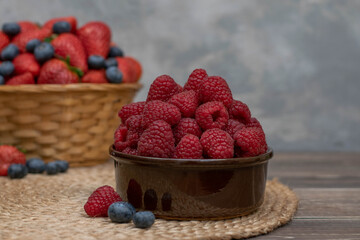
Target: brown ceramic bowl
185	189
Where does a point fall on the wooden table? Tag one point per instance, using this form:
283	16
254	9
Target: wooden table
328	186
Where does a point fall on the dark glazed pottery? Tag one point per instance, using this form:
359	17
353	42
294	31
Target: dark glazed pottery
186	189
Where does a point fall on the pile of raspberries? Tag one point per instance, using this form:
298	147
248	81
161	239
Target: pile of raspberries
198	121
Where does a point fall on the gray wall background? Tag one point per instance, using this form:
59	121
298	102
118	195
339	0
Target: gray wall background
295	63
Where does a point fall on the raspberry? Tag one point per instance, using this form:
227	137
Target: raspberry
216	89
131	109
240	111
233	126
217	144
212	115
10	155
133	123
253	123
99	201
189	147
195	80
124	137
186	126
163	88
131	151
158	110
187	102
120	135
251	141
180	88
157	141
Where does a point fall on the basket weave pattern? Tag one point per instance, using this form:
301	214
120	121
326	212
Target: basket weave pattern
74	122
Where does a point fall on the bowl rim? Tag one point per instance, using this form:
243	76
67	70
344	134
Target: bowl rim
173	162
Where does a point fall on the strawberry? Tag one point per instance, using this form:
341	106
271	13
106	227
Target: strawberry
72	20
95	76
4	40
57	71
10	155
22	39
95	37
127	69
26	62
68	45
136	68
27	26
100	200
25	78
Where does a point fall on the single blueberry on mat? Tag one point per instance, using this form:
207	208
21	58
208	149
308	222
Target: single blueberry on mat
114	75
61	27
10	52
115	52
6	68
35	165
120	213
96	62
111	62
144	219
44	52
52	168
32	44
129	205
11	29
63	165
17	171
2	80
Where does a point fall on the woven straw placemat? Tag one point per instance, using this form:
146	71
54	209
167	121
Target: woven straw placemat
51	207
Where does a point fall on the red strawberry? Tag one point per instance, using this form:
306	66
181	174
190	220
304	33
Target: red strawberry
136	68
95	76
95	37
25	78
126	68
27	26
56	71
10	155
100	200
72	20
22	39
26	62
4	40
68	45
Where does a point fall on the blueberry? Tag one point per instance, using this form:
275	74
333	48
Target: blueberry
61	27
63	165
17	171
6	68
32	44
96	62
52	168
35	165
2	80
114	75
115	52
129	205
144	219
10	52
111	62
11	28
120	213
44	52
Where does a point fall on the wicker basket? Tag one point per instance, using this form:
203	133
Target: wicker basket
74	122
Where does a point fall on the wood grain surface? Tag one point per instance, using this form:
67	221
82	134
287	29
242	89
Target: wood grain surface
328	186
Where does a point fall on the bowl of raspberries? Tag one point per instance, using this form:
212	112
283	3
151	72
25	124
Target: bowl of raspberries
60	86
191	152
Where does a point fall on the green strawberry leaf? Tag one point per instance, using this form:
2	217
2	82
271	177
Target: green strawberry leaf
49	39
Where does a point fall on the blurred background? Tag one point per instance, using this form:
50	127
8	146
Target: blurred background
295	63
